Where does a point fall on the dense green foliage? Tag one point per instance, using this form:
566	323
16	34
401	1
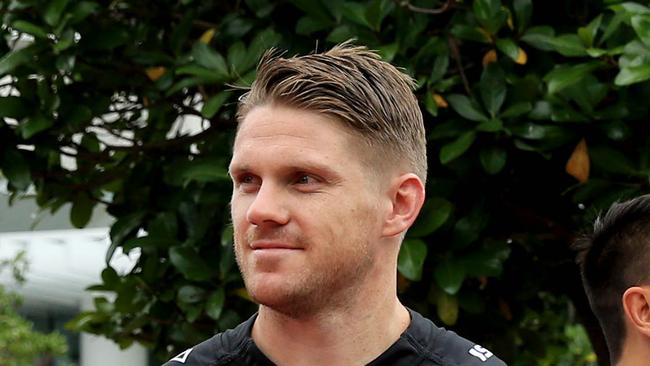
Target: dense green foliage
20	344
536	118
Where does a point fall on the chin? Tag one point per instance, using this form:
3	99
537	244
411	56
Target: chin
282	298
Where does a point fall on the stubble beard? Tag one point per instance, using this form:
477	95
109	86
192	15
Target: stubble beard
322	284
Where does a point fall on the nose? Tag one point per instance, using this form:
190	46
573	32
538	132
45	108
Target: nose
268	207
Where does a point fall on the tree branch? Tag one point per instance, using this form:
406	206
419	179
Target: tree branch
455	54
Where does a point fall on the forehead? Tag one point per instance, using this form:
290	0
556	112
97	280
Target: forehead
280	127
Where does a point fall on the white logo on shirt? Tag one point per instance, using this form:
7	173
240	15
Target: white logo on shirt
182	357
480	353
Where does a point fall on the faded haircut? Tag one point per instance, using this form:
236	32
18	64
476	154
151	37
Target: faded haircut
613	258
352	84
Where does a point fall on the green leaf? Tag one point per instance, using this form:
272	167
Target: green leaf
411	258
210	59
355	13
487	261
455	149
147	242
376	12
121	229
237	58
388	51
200	170
314	9
493	159
523	11
516	110
434	214
110	278
212	106
189	263
493	88
631	8
214	305
633	74
262	8
610	160
470	33
588	33
227	236
341	33
449	275
466	107
569	45
308	25
440	67
15	58
566	75
29	28
489	14
15	168
508	47
30	126
493	125
541	37
13	107
447	308
468	229
190	294
81	211
53	12
533	131
263	41
82	10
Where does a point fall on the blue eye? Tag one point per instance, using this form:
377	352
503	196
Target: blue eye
304	179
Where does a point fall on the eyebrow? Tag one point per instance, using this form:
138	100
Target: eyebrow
306	166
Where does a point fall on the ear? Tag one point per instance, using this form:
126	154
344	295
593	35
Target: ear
406	199
636	304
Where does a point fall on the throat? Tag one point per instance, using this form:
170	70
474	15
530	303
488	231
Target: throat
341	338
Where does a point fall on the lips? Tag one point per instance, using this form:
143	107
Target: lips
262	245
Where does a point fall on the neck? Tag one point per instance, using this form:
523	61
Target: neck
354	334
636	351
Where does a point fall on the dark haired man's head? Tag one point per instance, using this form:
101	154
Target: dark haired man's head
613	259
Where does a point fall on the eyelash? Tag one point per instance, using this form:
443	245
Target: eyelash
300	179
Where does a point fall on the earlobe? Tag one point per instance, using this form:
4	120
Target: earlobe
636	304
407	197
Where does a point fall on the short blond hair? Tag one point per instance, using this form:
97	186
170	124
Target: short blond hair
353	85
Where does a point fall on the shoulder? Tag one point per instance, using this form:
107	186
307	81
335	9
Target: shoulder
446	348
218	350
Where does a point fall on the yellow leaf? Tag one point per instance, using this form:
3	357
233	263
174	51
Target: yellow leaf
447	308
486	34
489	57
440	101
241	292
154	73
511	25
578	164
522	57
206	37
504	308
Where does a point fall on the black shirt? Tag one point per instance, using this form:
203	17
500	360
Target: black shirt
422	344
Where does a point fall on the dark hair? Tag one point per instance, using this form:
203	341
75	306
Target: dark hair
613	258
353	85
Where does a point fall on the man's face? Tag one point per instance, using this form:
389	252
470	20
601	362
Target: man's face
305	209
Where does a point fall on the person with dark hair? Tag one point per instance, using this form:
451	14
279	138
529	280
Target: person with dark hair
614	262
328	171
